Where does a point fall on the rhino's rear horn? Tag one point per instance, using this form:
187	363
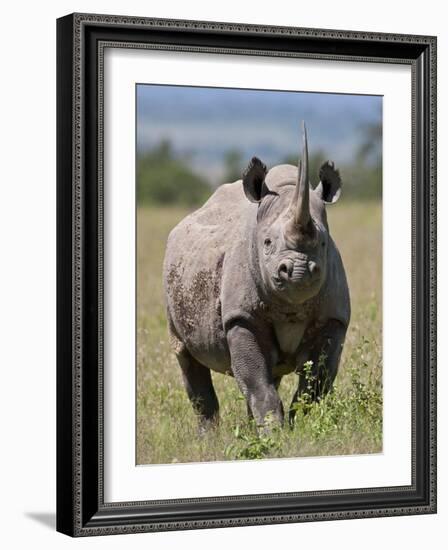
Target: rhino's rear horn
254	184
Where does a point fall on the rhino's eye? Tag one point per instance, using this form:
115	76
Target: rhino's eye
267	245
322	244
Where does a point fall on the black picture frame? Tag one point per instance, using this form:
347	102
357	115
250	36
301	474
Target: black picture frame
81	510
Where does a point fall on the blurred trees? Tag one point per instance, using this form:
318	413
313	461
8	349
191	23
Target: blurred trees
164	178
361	178
364	177
370	148
233	166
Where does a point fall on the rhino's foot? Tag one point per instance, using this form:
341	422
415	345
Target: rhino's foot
267	409
206	425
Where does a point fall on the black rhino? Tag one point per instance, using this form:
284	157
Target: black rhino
255	287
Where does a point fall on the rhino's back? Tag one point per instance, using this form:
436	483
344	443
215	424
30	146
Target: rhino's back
193	267
207	232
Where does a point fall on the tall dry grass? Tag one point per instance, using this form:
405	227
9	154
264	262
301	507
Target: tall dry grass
348	421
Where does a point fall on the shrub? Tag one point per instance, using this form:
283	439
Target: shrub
163	178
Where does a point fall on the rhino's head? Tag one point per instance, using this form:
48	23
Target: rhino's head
291	235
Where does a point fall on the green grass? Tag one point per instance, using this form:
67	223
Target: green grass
347	421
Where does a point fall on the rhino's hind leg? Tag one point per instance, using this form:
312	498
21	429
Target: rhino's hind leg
200	390
325	355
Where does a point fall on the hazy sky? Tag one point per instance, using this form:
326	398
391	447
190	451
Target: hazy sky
203	123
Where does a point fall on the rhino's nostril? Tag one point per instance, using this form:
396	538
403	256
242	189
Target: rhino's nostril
285	269
314	269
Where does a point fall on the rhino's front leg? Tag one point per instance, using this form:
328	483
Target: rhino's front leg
325	354
251	357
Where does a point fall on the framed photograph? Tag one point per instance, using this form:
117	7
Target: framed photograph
246	274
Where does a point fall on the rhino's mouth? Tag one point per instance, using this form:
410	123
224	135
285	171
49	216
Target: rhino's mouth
279	283
299	283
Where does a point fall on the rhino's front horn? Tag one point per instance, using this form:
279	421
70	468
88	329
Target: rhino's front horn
300	205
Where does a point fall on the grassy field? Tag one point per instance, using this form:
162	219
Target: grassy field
347	421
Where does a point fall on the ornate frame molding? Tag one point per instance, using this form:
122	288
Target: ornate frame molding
81	42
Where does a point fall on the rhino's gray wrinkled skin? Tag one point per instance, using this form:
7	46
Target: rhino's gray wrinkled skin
255	287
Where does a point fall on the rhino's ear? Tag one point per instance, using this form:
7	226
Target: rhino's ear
254	185
329	188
